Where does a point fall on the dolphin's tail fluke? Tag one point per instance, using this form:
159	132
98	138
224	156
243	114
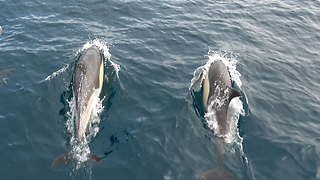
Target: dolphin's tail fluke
66	158
217	174
95	157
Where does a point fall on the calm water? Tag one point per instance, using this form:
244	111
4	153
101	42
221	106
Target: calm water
148	124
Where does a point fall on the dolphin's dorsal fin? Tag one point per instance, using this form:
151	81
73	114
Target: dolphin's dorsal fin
233	93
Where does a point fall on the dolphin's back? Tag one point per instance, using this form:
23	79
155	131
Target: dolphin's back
88	69
218	76
87	82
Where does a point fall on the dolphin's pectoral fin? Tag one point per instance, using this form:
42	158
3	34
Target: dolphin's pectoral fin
196	82
95	157
106	78
64	158
217	174
233	93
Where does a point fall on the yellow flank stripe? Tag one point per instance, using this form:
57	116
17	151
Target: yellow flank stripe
206	89
101	73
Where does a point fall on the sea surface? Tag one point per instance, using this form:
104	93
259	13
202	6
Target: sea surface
148	124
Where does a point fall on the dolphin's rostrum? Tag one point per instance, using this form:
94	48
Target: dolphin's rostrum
217	94
87	85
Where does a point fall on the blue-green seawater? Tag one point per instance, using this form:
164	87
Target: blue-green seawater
150	126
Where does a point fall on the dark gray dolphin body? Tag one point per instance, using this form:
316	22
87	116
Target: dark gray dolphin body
87	85
217	94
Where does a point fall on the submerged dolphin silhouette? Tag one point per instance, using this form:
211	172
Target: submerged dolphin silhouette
87	85
217	94
4	74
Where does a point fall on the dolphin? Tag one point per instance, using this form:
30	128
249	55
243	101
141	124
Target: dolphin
87	85
217	95
4	74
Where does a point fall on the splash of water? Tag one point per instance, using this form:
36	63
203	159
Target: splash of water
213	107
81	150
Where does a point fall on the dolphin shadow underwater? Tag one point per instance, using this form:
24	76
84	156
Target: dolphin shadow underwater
87	84
217	94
